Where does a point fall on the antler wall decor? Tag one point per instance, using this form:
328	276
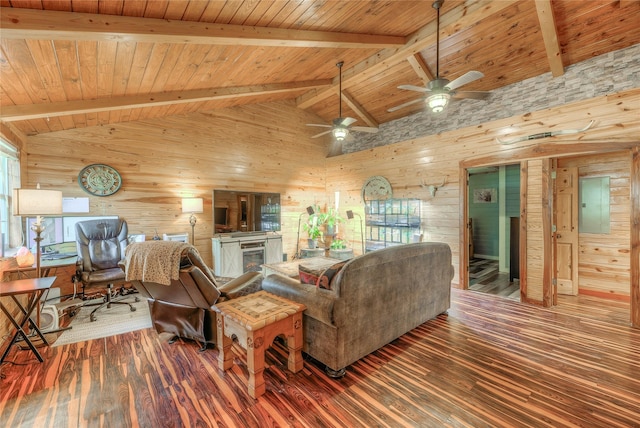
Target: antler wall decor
432	187
545	134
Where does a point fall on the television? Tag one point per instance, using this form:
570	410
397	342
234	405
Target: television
241	211
220	214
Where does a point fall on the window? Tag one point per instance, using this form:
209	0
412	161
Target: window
10	226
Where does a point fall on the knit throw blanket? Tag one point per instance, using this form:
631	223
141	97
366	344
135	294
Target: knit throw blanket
154	261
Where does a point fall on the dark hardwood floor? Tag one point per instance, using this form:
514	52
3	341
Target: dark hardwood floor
491	362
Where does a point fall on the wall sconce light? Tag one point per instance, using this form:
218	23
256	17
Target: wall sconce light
192	206
37	202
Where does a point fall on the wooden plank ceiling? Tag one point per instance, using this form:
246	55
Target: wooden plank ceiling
76	63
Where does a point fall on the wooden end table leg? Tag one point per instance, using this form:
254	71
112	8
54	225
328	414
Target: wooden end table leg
255	362
223	343
294	344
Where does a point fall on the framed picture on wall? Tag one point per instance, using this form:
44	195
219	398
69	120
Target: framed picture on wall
485	196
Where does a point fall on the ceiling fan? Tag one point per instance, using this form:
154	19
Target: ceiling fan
341	125
439	91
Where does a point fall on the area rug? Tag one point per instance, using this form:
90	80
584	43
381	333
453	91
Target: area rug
118	319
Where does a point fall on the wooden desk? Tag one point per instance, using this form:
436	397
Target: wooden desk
46	266
34	289
256	319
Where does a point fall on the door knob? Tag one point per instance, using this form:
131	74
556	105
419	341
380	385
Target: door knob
558	236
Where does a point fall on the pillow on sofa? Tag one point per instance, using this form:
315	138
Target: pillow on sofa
325	279
309	275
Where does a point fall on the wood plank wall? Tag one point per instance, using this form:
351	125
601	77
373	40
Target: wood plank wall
604	259
260	148
429	159
267	148
535	237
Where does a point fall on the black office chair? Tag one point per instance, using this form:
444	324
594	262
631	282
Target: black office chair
101	245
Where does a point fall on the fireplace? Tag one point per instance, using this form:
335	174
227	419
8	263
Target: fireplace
252	256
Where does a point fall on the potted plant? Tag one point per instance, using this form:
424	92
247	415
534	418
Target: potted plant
331	218
338	244
313	227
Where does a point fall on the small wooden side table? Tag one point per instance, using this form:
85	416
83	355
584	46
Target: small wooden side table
34	289
256	320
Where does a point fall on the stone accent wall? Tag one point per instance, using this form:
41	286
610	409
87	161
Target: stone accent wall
605	74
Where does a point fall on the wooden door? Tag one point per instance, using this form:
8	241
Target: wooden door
566	234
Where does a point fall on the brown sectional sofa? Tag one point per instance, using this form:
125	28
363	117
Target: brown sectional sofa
374	299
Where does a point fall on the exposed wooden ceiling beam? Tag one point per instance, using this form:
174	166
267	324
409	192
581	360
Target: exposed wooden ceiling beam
419	65
38	24
359	110
44	110
550	36
456	19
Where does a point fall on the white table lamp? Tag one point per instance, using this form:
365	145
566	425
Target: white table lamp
37	202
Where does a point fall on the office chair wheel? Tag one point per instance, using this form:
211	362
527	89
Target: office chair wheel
133	308
92	317
137	299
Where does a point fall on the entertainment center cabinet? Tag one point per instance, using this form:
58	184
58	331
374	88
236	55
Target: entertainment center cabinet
240	252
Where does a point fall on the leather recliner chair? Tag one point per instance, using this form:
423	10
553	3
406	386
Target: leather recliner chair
184	306
100	245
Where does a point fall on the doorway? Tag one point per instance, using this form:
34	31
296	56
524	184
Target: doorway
536	272
592	212
493	230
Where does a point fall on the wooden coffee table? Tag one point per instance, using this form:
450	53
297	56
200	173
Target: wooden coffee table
256	320
290	269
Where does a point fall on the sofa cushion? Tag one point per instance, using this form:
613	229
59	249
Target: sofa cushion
325	280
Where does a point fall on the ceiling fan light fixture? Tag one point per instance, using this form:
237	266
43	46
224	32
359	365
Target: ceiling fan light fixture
438	102
340	133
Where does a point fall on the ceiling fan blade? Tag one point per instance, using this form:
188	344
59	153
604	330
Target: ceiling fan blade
398	107
476	95
344	121
468	77
321	134
335	149
320	125
414	88
368	129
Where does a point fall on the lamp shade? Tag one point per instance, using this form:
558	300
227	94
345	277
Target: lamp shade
192	205
27	202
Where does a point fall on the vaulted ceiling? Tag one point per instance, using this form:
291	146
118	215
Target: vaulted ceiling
76	63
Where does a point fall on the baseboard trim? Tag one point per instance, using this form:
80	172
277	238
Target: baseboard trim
606	295
485	256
